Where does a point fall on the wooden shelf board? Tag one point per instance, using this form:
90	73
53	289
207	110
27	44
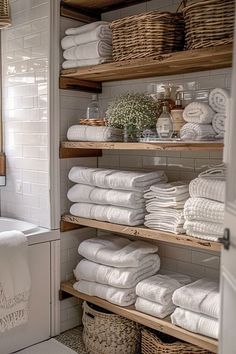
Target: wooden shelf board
162	325
65	153
143	232
69	83
2	164
167	64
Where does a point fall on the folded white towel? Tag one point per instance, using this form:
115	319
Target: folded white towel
69	64
195	322
198	112
164	226
153	308
115	179
215	172
173	189
109	213
89	194
160	288
207	188
202	296
89	51
201	209
102	32
15	280
167	202
203	229
93	133
194	131
114	276
218	123
121	297
171	220
117	251
218	99
86	28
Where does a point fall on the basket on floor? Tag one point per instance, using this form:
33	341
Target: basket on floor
154	342
147	35
208	22
107	333
5	19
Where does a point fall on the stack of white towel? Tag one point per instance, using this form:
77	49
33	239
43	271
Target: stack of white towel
204	211
206	122
87	45
111	195
155	293
165	203
94	133
199	307
112	267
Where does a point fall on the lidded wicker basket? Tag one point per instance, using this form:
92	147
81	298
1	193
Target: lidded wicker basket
107	333
147	35
5	18
208	22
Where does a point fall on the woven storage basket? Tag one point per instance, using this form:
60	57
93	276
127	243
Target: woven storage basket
96	122
5	19
208	22
153	342
107	333
147	35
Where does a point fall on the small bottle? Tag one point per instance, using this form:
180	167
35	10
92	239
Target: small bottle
94	110
177	117
167	97
164	124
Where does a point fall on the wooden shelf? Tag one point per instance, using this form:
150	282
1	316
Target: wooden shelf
143	232
167	64
162	325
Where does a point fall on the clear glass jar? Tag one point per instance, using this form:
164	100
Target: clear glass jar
164	124
94	110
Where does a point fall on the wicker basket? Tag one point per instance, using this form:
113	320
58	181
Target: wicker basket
107	333
208	22
96	122
5	19
154	342
147	35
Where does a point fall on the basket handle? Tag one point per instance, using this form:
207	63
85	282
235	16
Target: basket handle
89	315
183	3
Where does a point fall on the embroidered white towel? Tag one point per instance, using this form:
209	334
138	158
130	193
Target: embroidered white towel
88	194
202	209
115	179
89	51
215	172
69	64
93	133
218	99
117	251
218	123
160	287
198	112
114	276
153	308
15	280
202	296
203	229
195	131
109	213
121	297
207	188
86	28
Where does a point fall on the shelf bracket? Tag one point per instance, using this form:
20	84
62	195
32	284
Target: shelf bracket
63	295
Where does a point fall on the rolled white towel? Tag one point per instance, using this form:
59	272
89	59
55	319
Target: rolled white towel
194	131
215	172
202	209
203	229
89	51
218	123
120	297
93	133
69	64
114	276
208	188
86	28
218	100
198	112
153	308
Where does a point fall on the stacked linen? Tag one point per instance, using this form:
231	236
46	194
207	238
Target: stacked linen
198	307
87	45
218	100
165	203
94	133
155	293
112	267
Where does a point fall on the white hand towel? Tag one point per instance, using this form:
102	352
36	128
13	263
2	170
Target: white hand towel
102	32
89	194
218	123
203	229
115	179
201	209
15	280
167	202
117	251
195	322
69	64
172	189
117	277
162	221
194	131
153	308
86	28
218	99
202	296
121	297
215	172
93	133
207	188
109	213
160	288
89	51
198	112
